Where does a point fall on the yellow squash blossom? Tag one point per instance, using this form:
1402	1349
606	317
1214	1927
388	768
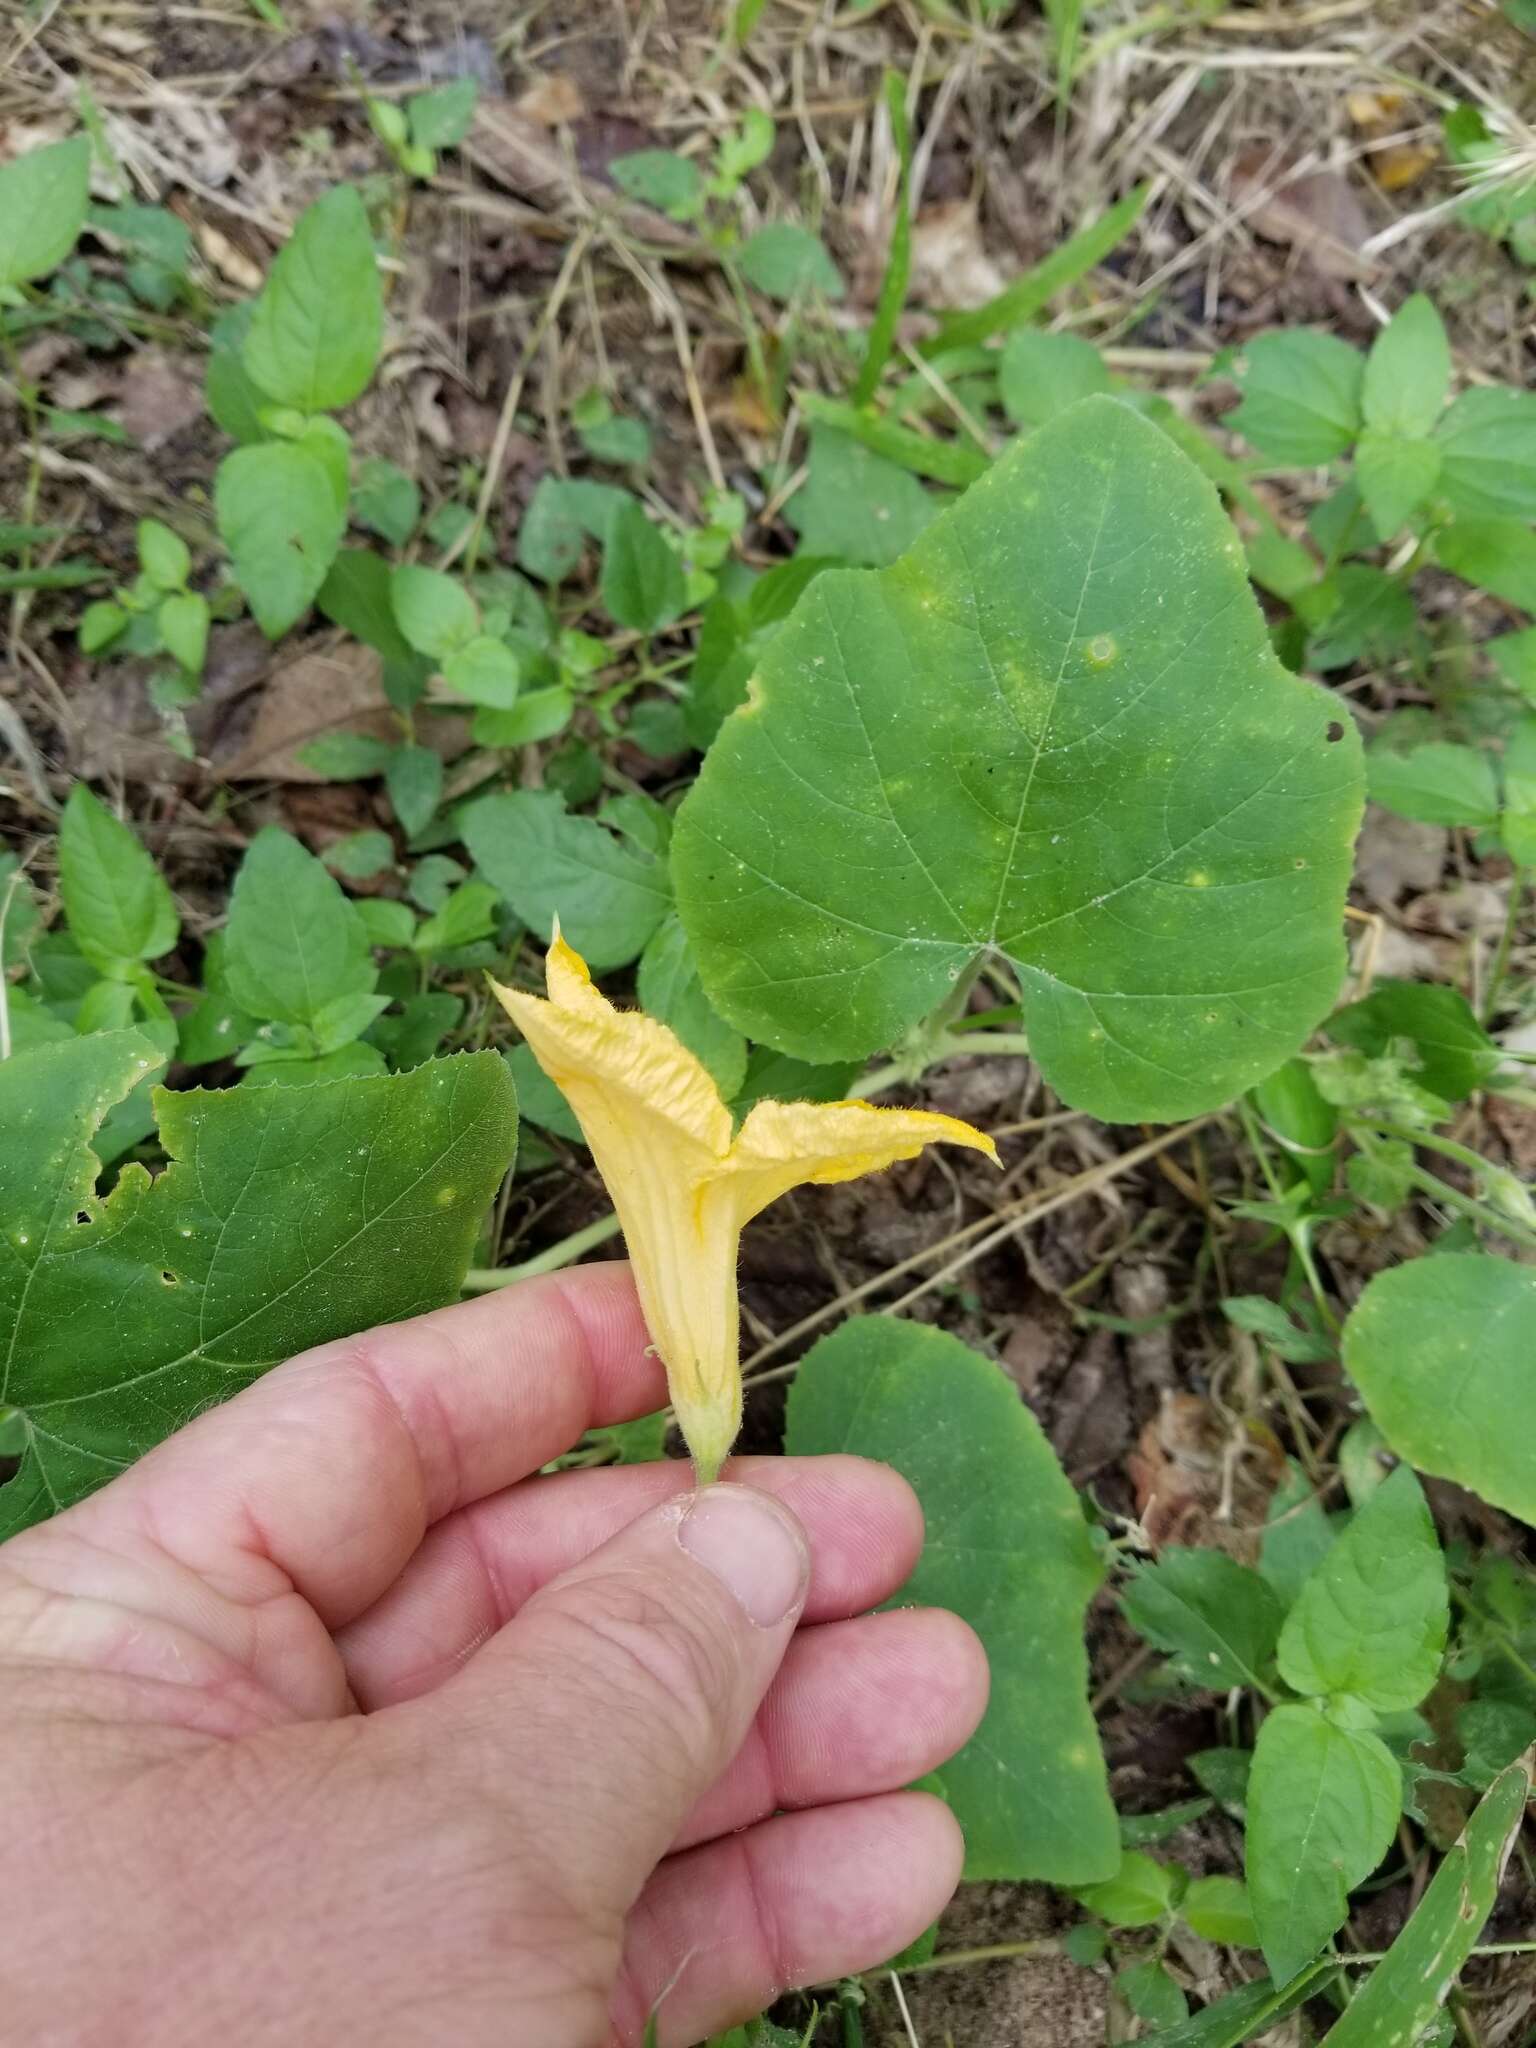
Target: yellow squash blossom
683	1187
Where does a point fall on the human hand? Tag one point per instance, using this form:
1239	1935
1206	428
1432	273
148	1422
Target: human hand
326	1724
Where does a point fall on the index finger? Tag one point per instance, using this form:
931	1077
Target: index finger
333	1466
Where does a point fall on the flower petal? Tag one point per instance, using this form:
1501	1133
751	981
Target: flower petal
660	1136
617	1061
784	1145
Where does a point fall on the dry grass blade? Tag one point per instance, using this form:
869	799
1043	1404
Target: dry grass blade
976	1238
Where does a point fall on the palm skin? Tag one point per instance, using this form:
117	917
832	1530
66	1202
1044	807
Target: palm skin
333	1722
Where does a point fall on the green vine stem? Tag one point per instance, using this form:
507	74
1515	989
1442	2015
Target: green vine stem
1441	1190
484	1279
1500	966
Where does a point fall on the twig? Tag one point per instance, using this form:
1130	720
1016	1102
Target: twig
19	740
655	283
469	540
978	1238
906	2017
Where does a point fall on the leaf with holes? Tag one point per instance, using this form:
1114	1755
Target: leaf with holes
1055	728
287	1216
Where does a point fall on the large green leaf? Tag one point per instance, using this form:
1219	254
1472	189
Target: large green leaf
668	987
1008	1549
318	325
1371	1617
287	1216
1404	1992
1323	1802
1443	1351
279	518
115	898
1055	728
43	201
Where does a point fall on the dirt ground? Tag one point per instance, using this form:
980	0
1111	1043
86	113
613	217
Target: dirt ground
1297	177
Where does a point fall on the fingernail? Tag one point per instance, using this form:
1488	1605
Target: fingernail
752	1545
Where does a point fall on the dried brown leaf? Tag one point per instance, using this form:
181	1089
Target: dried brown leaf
1399	857
550	99
161	395
1315	212
318	694
230	262
950	264
1204	1477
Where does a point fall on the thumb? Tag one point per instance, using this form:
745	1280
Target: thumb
621	1690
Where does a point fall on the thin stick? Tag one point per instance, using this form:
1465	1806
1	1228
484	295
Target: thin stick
469	540
906	2017
978	1237
655	283
948	400
19	740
